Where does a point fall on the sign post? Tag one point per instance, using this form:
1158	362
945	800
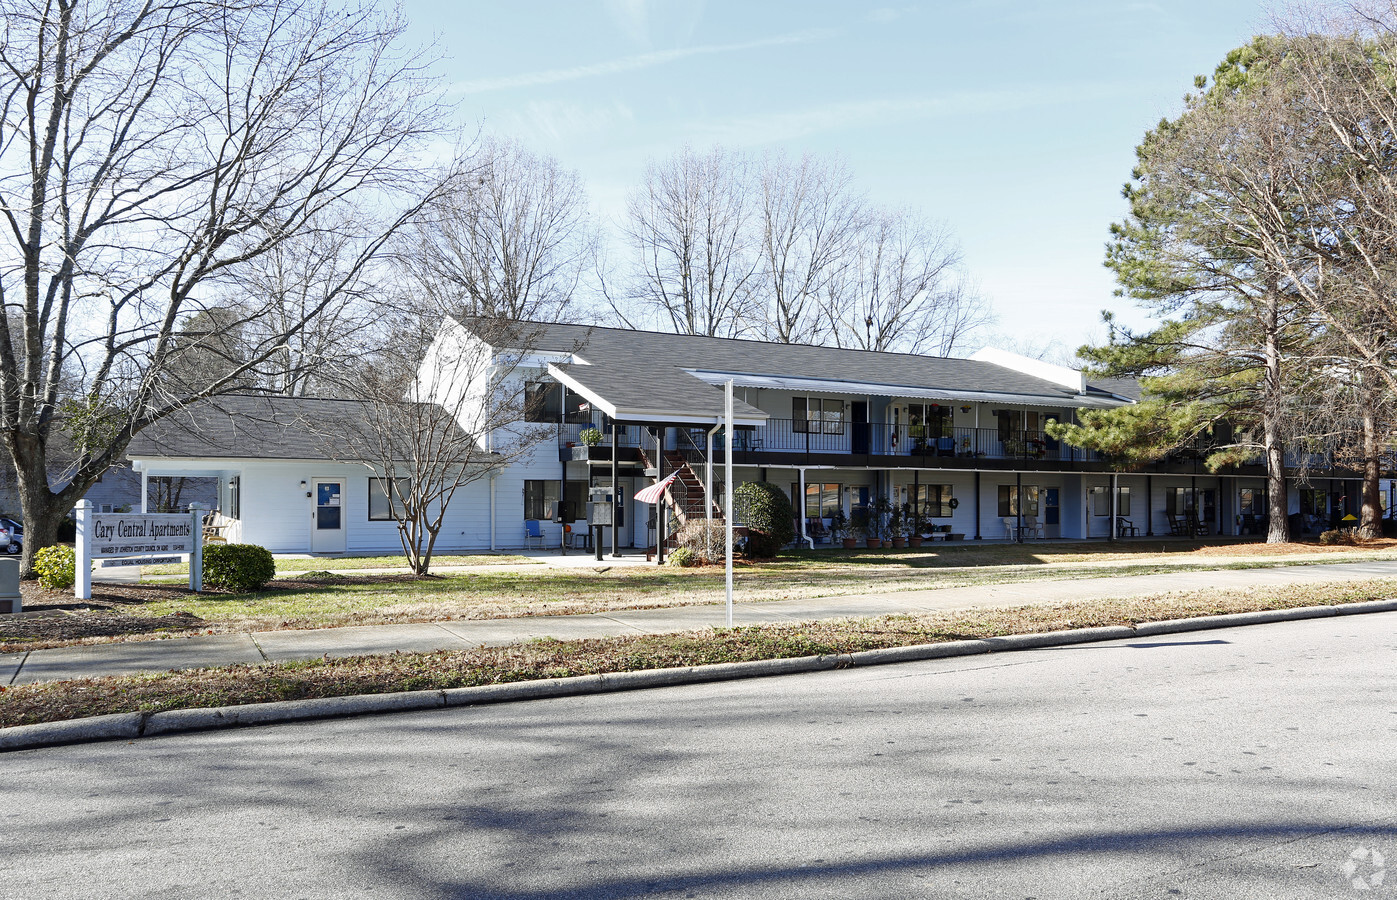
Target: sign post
127	535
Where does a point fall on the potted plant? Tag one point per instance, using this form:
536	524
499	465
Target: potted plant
878	524
861	526
590	436
839	530
894	528
911	526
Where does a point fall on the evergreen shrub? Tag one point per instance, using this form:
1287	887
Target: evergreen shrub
57	567
237	567
765	510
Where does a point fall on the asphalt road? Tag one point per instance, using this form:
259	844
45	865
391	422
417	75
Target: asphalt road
1254	762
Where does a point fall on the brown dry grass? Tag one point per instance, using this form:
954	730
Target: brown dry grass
554	659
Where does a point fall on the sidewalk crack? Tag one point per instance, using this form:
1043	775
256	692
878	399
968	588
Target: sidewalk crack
252	637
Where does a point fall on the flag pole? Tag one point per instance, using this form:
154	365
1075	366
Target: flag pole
727	487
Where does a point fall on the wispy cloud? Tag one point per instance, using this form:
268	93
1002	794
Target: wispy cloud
885	15
558	123
767	128
632	63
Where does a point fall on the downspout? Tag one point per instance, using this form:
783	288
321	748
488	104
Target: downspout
801	500
493	476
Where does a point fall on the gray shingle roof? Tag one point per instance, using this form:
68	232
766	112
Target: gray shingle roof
645	369
255	427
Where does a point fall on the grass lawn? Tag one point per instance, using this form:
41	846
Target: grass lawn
57	701
323	599
352	563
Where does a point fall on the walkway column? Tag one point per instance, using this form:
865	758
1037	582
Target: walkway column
978	536
1149	510
615	496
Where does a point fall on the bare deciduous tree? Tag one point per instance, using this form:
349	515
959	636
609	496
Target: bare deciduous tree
314	271
440	409
810	219
902	289
512	241
688	225
150	150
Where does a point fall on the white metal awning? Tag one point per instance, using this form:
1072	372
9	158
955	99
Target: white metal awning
833	386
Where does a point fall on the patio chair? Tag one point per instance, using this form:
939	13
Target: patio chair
1125	527
533	532
1011	527
1033	526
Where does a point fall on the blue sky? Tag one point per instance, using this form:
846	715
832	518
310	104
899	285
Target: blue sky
1014	121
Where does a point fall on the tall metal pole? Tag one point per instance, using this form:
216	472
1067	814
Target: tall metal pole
727	488
660	501
615	494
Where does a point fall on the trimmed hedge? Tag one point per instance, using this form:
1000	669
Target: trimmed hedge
765	510
56	566
237	567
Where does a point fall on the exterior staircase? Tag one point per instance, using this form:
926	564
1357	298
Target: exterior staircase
685	495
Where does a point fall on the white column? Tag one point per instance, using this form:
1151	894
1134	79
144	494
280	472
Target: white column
82	556
800	507
727	491
196	552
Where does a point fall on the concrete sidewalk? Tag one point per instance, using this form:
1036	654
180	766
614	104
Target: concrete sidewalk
285	646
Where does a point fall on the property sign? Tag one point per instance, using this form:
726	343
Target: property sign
141	534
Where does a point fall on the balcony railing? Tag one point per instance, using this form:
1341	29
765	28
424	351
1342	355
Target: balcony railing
626	436
916	442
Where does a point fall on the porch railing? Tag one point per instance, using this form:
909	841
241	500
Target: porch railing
912	441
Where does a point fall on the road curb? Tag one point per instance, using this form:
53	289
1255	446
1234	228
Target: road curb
129	726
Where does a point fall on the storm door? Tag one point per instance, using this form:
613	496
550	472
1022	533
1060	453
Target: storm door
327	516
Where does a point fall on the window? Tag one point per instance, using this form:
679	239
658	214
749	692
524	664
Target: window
1314	503
928	420
539	497
1101	504
1178	501
379	501
1014	424
821	500
1251	501
543	401
1009	500
934	501
548	401
815	415
576	410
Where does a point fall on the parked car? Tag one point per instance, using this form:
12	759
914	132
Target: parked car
13	539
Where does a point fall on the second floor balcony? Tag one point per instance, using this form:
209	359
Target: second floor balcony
899	444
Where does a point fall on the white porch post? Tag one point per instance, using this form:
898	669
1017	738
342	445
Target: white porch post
145	489
196	552
800	506
82	558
